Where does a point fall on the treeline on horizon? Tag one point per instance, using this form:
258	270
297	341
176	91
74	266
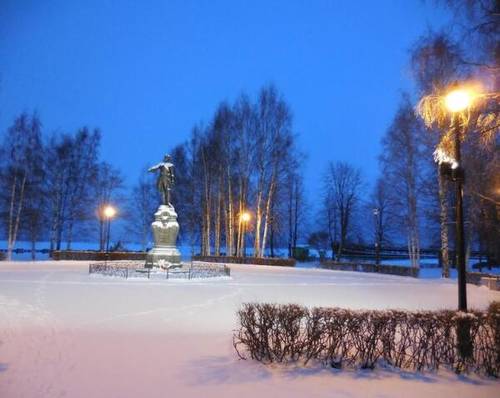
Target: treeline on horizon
55	187
246	159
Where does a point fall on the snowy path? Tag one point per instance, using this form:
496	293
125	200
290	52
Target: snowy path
65	334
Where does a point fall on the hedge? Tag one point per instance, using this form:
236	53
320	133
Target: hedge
83	255
336	337
367	267
481	279
283	262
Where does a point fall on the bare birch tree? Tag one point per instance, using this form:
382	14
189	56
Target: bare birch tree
108	181
238	164
141	207
22	147
400	161
71	175
379	210
435	62
342	186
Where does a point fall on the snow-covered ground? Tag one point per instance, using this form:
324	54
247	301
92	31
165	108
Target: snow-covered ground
65	334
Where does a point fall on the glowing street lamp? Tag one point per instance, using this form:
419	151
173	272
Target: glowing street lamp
109	212
458	100
245	217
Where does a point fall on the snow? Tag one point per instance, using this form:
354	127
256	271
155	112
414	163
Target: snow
66	334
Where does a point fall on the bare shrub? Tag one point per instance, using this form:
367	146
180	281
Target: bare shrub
336	337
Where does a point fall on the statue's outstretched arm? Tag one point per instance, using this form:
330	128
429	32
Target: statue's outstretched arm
155	167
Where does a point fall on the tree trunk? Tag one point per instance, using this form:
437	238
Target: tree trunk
271	241
69	235
344	224
59	234
33	248
296	217
238	240
290	219
206	230
53	229
230	218
55	219
443	220
340	247
258	222
10	239
267	215
218	219
413	222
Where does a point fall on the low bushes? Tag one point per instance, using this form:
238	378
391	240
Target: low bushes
481	279
283	262
367	267
415	340
83	255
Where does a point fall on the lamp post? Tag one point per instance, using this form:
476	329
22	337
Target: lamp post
109	212
376	214
244	219
456	102
436	110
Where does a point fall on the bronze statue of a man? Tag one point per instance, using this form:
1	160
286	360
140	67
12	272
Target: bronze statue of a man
165	178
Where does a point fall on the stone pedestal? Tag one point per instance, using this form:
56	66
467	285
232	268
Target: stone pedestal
165	231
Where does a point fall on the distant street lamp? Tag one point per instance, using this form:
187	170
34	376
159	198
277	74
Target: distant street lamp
109	212
376	214
244	219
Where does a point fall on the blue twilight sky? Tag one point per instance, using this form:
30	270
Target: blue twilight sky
145	71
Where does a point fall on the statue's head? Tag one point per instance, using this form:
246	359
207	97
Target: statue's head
167	158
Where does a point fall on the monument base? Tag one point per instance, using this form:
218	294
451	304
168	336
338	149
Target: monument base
164	253
164	257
